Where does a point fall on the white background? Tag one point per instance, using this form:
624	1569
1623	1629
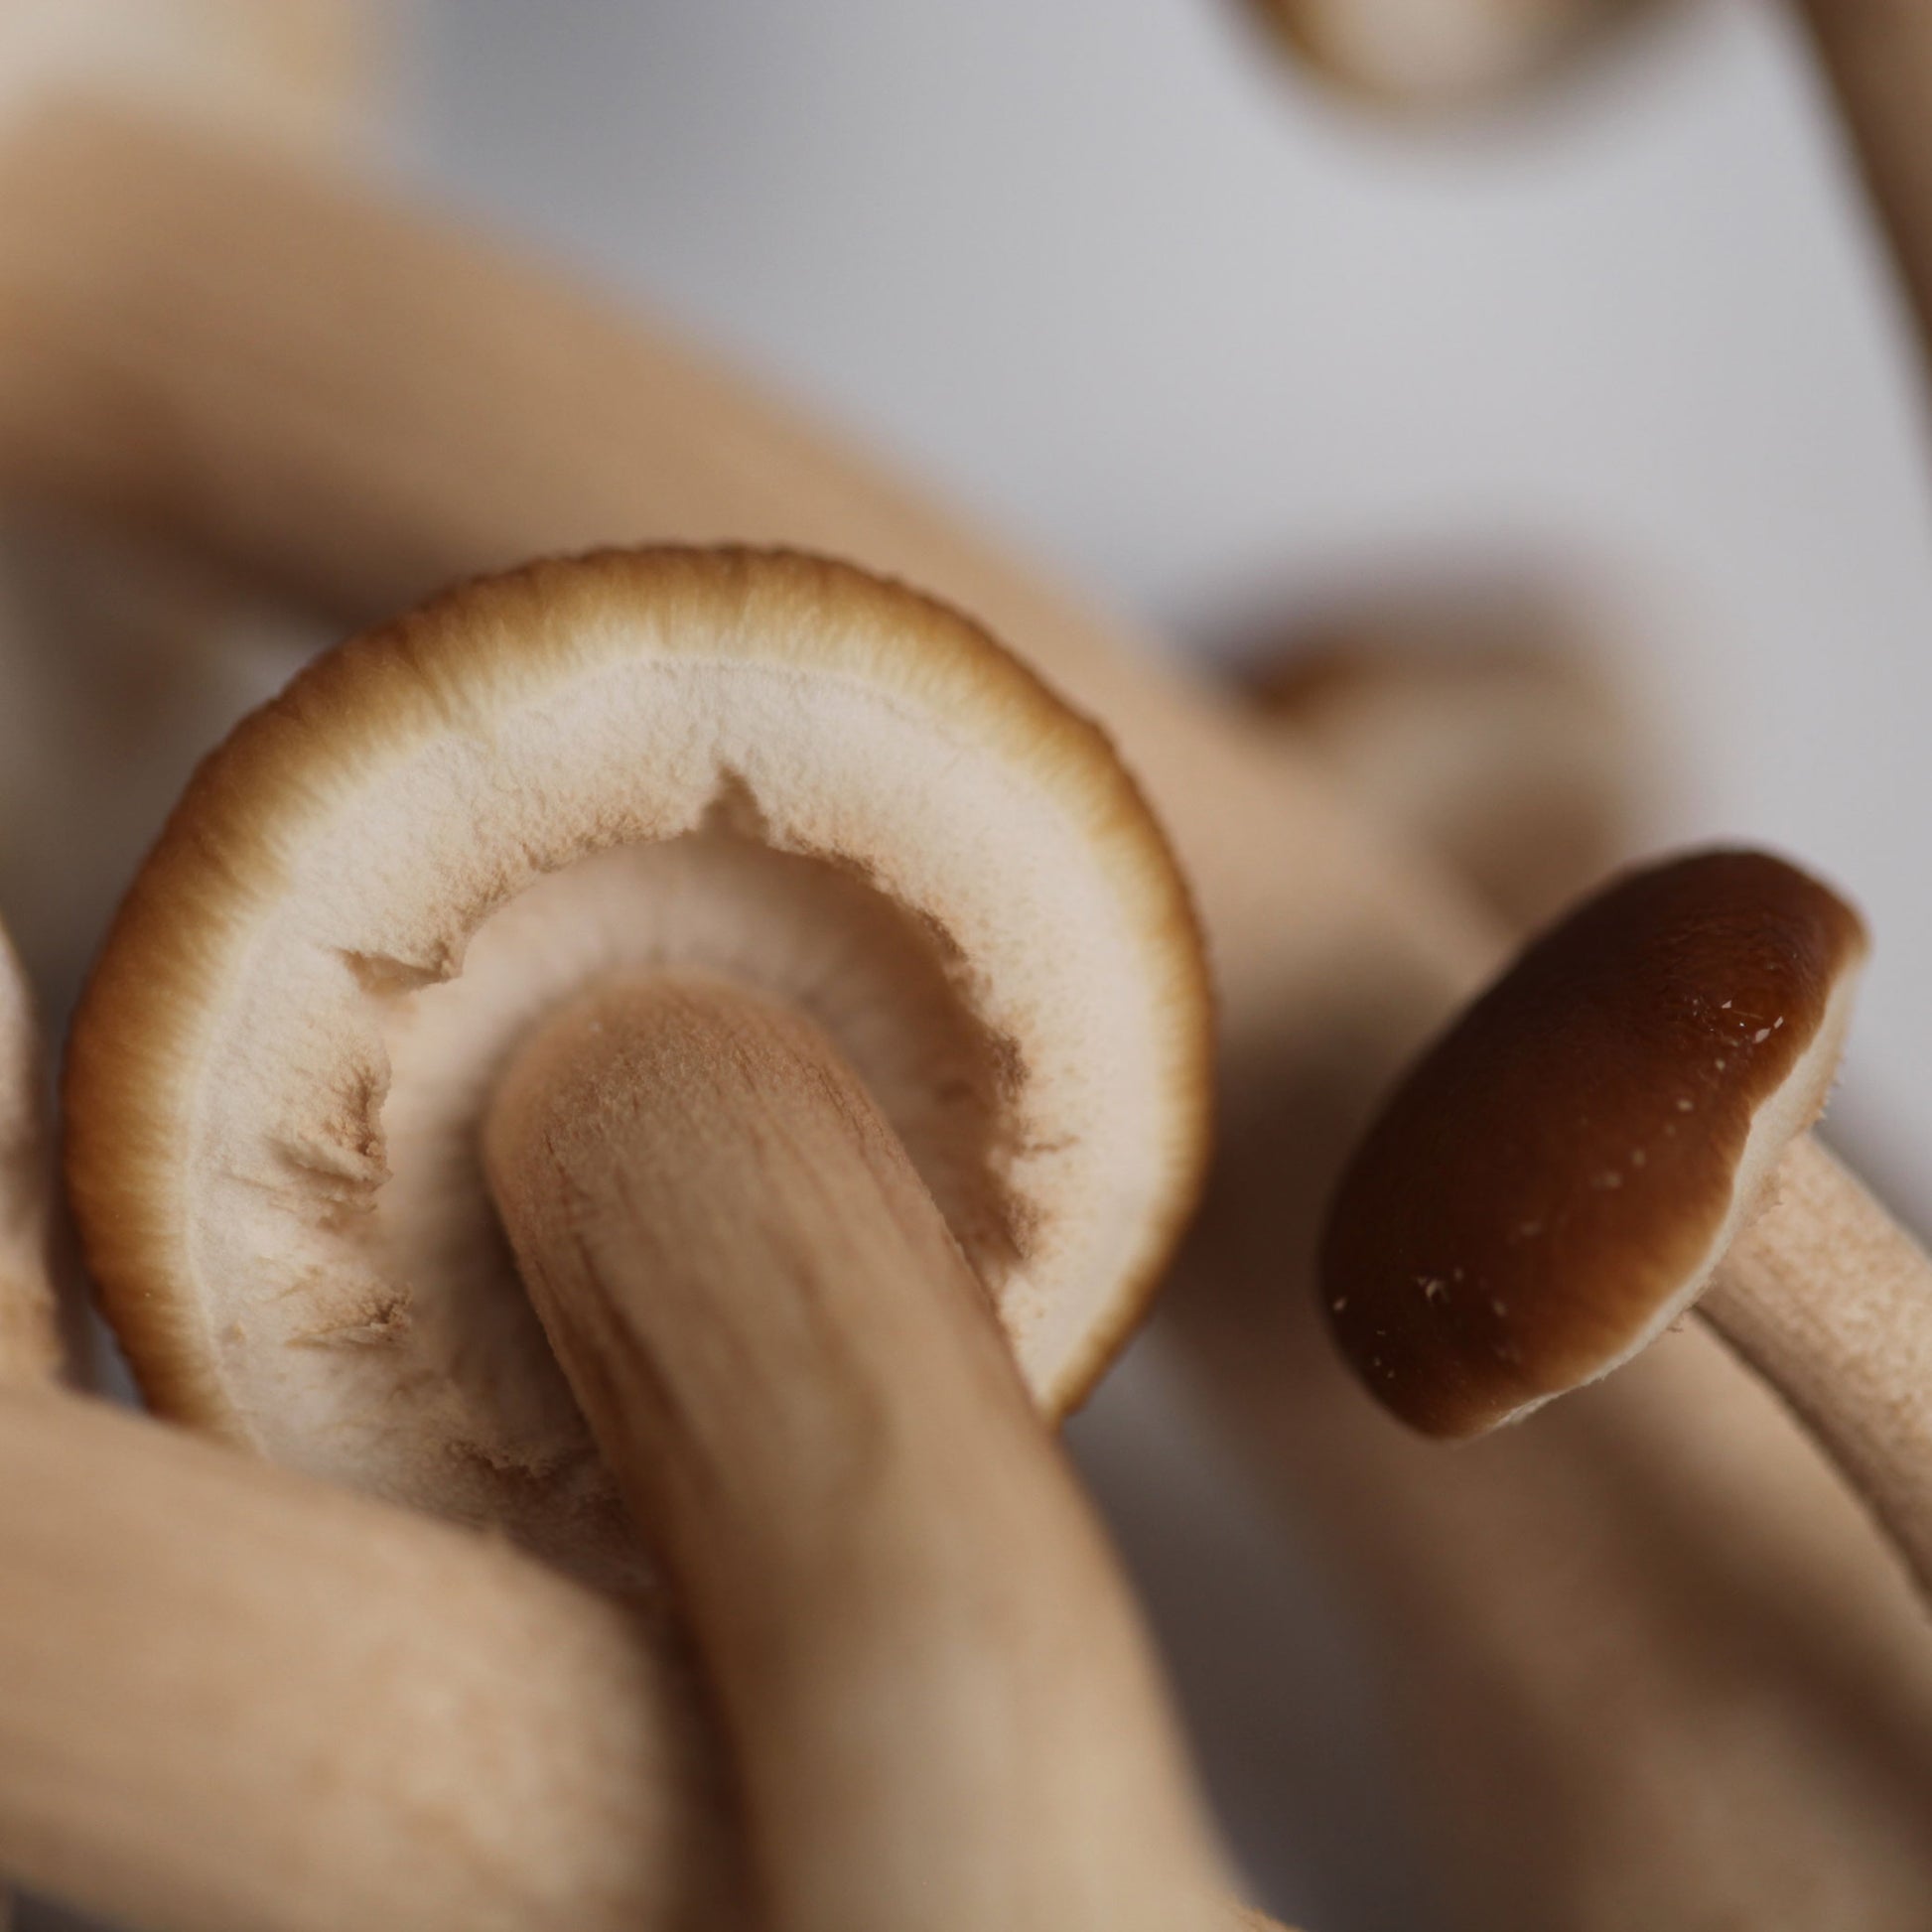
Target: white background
1199	337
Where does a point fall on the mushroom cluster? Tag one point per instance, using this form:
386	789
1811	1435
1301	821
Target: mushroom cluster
624	1102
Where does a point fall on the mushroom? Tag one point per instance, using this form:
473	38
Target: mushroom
1440	55
1477	723
608	853
758	765
1615	1132
478	412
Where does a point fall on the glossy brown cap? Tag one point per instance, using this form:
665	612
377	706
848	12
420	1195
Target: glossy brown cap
1557	1177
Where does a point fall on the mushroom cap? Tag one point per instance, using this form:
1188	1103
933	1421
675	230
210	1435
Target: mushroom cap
30	1341
1437	55
1556	1179
764	765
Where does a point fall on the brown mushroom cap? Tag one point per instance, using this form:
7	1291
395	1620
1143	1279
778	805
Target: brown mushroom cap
762	765
1556	1179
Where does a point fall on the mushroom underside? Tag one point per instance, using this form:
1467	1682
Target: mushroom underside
318	1271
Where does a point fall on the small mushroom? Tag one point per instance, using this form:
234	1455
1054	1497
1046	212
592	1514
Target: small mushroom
762	765
26	1329
1615	1132
31	1345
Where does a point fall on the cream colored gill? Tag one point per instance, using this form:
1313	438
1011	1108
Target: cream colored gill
890	864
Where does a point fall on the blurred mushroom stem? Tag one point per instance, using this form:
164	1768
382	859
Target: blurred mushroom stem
1876	57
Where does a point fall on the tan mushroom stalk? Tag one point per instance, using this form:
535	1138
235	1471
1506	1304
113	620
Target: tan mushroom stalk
232	1700
942	1709
32	1353
1440	55
1615	1132
477	413
1878	59
31	1350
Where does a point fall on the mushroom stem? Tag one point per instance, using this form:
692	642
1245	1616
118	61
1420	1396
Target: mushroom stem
944	1710
30	1351
234	1700
1831	1302
1877	57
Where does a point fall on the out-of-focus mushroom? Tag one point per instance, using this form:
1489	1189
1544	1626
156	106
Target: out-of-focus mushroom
762	765
1477	725
1437	56
476	411
943	1708
1616	1131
